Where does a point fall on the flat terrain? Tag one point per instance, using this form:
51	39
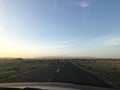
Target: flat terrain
61	72
107	70
10	68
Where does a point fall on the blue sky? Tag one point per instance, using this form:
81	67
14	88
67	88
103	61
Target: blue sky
37	28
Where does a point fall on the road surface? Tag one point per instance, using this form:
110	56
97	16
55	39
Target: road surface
64	72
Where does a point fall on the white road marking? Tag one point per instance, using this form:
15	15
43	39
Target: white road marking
58	70
49	79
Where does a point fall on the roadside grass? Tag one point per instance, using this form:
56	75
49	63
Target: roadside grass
106	70
16	67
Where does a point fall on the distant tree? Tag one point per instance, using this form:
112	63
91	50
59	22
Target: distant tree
88	61
19	59
114	69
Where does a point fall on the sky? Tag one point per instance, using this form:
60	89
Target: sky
75	28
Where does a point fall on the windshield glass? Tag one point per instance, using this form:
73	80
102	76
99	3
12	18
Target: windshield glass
67	41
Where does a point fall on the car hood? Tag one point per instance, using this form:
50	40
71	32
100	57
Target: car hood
51	86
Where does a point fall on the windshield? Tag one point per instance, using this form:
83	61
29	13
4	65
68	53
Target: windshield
66	41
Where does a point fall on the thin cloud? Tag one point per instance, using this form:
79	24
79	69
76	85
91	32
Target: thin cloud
66	41
109	40
115	41
82	4
55	47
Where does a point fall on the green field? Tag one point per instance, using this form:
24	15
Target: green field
13	67
107	70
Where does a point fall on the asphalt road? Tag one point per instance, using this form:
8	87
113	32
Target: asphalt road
64	72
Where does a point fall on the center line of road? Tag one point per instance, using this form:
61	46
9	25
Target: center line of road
58	70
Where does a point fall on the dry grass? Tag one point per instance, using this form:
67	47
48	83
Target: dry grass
12	68
106	69
109	63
